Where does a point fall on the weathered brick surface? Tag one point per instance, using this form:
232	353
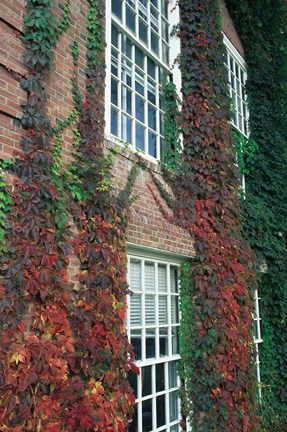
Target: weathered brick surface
229	29
147	226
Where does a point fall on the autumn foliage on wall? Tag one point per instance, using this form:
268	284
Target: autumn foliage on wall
219	383
68	372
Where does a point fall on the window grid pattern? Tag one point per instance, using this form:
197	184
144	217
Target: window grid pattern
153	325
236	81
257	338
139	67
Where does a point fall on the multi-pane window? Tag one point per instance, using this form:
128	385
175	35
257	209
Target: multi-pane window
139	62
237	78
153	325
257	337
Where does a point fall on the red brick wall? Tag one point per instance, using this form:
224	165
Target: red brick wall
147	226
229	29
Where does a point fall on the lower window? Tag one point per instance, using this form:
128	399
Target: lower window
153	324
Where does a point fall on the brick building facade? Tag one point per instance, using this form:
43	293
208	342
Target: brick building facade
156	246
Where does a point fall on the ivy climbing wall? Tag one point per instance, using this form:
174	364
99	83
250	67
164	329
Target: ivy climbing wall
64	356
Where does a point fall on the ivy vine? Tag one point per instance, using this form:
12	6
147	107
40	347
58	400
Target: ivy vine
220	381
69	371
262	29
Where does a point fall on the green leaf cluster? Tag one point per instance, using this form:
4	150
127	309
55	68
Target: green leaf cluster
262	28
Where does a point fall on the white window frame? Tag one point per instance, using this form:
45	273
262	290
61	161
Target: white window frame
171	68
257	338
238	89
170	261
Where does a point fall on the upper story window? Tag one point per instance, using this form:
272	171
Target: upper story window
138	64
237	76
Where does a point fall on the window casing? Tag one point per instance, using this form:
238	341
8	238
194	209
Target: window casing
138	63
153	326
257	338
237	76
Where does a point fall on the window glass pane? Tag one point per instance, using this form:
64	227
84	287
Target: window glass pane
135	275
140	109
117	8
172	374
154	43
175	347
135	310
140	137
163	341
150	343
149	276
136	341
139	57
162	309
173	279
151	117
164	30
160	410
114	92
173	406
160	377
174	309
147	415
139	82
151	67
127	129
164	7
127	47
149	309
165	53
127	73
143	31
115	35
114	121
151	144
162	285
146	380
151	94
154	18
126	100
130	19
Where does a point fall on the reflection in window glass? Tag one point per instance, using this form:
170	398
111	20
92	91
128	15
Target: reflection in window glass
142	31
140	137
140	109
114	121
152	144
117	8
130	19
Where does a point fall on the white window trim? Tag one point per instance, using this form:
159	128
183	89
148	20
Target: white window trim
234	53
166	258
173	68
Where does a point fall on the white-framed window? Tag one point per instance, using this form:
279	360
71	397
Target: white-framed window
139	57
237	76
153	329
257	338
